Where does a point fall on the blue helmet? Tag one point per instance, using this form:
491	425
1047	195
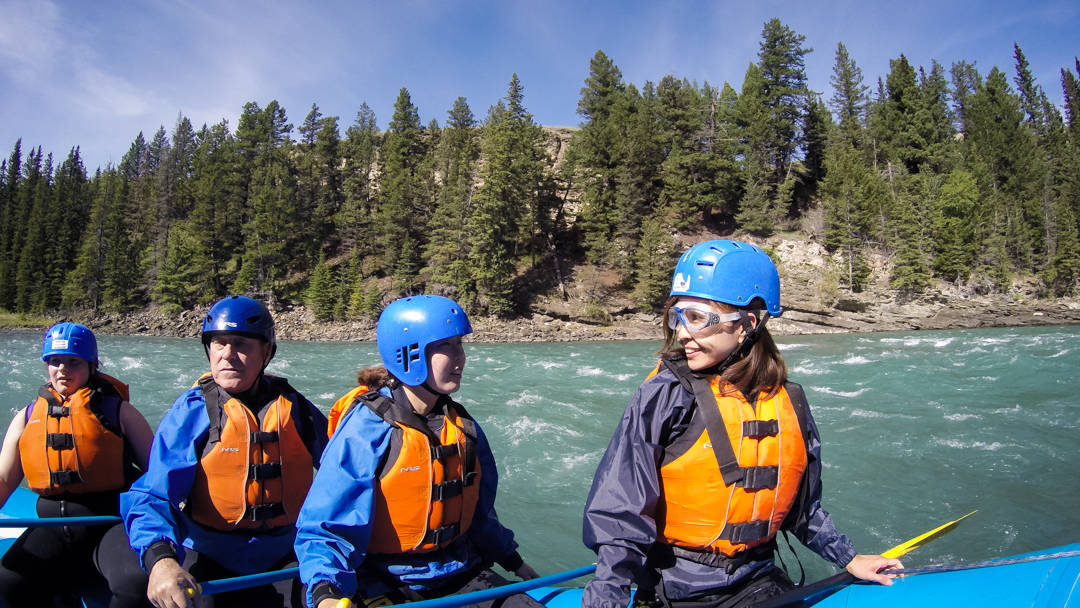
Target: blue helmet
239	315
407	326
69	339
731	272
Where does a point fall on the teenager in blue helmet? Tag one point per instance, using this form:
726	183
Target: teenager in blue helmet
715	454
78	445
231	462
403	507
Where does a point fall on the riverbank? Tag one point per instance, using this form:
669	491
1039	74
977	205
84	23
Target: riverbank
813	304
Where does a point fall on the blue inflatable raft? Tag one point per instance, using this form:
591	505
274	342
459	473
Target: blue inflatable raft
1042	579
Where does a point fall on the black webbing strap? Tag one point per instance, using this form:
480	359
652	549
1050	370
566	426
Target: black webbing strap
447	490
442	452
266	470
740	534
760	428
56	410
212	398
265	511
60	441
63	478
762	552
438	536
264	437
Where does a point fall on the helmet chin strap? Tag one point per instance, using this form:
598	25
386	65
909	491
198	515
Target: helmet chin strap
752	335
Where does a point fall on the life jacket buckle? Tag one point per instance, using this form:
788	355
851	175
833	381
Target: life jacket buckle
59	411
60	441
446	490
264	437
760	428
64	478
759	478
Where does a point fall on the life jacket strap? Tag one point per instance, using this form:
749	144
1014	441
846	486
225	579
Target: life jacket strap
760	428
759	478
440	535
442	452
60	441
740	534
267	470
265	511
729	563
264	437
446	490
59	411
63	478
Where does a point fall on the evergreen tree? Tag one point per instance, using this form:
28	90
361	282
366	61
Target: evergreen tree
953	229
35	196
402	215
65	219
12	223
447	251
849	98
654	257
598	144
355	219
758	210
781	60
506	200
321	296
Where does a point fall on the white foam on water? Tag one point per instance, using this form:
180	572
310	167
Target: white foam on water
327	396
856	360
1060	353
524	398
962	417
861	413
129	363
625	377
848	394
547	364
1016	409
590	371
970	445
796	346
810	370
526	427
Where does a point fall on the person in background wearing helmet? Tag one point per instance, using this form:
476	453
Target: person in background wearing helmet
79	444
403	507
716	453
231	463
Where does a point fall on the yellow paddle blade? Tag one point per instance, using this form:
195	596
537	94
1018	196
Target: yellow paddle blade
922	539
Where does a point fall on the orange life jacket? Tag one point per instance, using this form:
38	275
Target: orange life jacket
253	472
426	496
341	407
75	444
732	494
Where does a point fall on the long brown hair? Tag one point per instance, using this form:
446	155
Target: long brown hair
761	370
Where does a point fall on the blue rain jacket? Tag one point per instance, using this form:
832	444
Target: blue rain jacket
151	509
336	521
618	521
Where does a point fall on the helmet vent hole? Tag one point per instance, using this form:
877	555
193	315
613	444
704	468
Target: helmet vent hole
252	320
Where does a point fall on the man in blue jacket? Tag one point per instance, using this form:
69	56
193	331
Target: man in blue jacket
229	468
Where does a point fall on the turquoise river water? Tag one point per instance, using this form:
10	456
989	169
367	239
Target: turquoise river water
918	428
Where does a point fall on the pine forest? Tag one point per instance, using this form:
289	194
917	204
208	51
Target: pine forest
957	174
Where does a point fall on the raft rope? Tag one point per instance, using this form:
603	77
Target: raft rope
990	563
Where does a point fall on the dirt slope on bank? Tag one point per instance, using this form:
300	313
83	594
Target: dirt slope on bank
812	303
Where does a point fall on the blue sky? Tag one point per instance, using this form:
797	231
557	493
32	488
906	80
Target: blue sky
95	73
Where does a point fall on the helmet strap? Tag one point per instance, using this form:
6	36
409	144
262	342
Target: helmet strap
752	335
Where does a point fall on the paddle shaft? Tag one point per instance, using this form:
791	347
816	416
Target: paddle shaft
483	595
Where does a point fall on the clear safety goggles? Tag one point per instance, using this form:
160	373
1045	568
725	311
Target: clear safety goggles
697	318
